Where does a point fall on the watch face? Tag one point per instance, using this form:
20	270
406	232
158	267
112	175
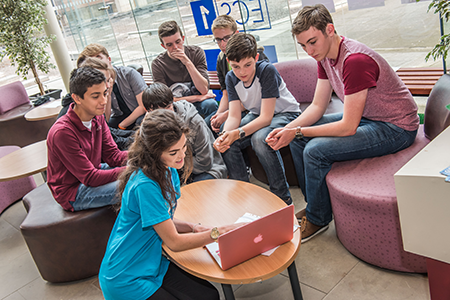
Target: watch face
241	133
214	233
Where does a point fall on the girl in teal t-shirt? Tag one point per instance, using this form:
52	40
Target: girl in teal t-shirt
133	266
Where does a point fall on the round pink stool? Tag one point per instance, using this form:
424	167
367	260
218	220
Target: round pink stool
365	210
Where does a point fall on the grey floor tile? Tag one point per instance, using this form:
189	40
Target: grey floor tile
12	244
16	274
15	214
323	262
277	287
6	229
42	290
368	282
15	296
38	179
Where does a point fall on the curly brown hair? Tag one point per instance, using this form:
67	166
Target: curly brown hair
160	130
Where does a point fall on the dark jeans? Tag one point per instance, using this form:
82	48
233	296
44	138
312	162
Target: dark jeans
313	158
207	107
180	285
114	121
270	159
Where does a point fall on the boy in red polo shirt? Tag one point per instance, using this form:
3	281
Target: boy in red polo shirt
78	143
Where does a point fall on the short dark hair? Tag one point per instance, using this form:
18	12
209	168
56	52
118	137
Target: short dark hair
83	78
168	28
157	95
316	16
240	46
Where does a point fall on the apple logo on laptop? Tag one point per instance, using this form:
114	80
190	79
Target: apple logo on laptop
258	239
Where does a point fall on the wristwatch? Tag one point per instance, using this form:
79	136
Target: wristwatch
298	132
215	234
241	133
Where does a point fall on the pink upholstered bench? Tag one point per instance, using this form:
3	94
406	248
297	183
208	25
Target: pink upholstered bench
365	209
14	128
14	190
364	200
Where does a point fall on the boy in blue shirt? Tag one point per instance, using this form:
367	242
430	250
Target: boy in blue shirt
258	86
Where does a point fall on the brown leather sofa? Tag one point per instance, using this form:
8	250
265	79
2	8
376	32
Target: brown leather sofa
14	128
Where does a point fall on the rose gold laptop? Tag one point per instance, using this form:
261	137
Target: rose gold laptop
253	238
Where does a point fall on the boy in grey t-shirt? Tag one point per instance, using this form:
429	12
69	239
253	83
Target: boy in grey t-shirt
262	91
208	163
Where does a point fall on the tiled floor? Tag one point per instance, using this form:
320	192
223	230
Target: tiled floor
325	268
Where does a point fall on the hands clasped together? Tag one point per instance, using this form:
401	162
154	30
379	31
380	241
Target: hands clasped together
280	137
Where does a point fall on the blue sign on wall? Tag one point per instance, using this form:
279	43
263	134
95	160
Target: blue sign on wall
253	14
204	15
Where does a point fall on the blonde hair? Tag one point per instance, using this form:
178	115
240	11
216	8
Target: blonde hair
98	64
224	22
91	50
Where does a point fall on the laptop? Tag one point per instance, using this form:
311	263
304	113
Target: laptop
253	238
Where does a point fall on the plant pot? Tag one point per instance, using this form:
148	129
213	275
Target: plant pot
52	93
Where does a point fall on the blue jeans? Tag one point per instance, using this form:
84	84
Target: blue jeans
199	177
91	197
313	158
206	107
270	159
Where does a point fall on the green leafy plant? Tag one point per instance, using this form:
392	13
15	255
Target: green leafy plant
22	34
441	7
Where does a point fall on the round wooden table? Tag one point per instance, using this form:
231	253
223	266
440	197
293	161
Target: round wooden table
45	111
24	162
222	201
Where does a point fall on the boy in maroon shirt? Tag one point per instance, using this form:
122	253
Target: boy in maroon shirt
78	143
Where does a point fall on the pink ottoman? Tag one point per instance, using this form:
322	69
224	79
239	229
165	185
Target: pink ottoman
11	191
365	211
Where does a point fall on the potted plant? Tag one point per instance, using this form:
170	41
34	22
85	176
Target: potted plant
441	7
23	38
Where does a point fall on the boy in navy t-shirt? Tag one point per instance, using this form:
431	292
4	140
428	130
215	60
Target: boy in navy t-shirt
262	91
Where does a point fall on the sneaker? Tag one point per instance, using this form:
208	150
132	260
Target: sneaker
309	230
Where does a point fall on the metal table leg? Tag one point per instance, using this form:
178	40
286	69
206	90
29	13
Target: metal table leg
295	283
228	291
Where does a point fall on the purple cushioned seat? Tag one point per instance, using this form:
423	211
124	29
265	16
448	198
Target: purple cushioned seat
13	95
13	190
364	200
365	210
14	128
